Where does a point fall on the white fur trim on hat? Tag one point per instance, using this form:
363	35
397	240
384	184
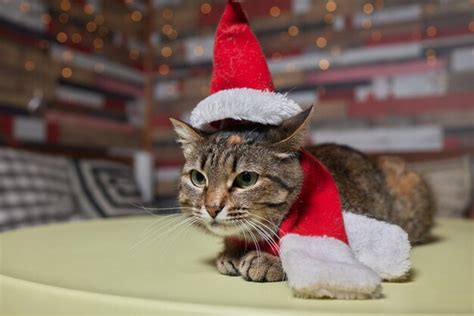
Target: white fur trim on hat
244	104
381	246
326	267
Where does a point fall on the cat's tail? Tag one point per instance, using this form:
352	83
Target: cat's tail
414	207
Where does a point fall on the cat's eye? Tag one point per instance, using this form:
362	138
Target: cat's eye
246	179
197	178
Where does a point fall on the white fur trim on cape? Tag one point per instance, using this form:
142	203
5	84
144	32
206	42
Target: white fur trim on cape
319	267
381	246
244	104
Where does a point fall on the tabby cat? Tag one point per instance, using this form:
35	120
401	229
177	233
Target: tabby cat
239	183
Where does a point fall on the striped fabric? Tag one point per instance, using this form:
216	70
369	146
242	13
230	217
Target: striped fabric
106	188
34	189
37	189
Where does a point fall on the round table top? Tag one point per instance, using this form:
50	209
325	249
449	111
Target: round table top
123	266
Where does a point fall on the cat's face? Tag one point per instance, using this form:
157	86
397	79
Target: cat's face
242	181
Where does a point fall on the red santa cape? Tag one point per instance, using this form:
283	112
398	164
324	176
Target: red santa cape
317	210
324	252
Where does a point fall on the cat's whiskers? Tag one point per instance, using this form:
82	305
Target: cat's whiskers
173	228
247	214
272	239
265	229
172	223
253	224
198	214
255	242
178	233
159	217
150	210
160	221
275	227
242	229
264	234
145	237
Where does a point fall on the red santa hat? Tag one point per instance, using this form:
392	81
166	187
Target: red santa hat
241	84
324	252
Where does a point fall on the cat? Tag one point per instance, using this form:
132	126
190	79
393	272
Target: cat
240	182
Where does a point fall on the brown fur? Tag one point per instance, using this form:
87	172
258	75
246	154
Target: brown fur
413	204
386	191
361	185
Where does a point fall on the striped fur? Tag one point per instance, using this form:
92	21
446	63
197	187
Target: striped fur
253	215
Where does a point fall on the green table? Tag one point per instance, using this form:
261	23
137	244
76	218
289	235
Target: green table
88	268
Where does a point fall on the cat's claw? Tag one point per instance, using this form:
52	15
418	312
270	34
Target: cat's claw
261	267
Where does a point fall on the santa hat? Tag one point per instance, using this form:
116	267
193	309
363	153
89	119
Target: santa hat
324	252
241	84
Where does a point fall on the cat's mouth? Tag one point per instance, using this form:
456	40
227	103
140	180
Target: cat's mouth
223	229
226	223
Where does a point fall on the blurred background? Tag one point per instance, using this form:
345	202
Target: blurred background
87	87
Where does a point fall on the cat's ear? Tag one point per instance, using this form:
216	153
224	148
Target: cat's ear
188	137
292	131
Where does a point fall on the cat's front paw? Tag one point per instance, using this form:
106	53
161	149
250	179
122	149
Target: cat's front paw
228	265
261	267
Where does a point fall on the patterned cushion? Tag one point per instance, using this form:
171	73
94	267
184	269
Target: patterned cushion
34	189
106	188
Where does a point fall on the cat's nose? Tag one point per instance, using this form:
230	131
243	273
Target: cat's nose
213	210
